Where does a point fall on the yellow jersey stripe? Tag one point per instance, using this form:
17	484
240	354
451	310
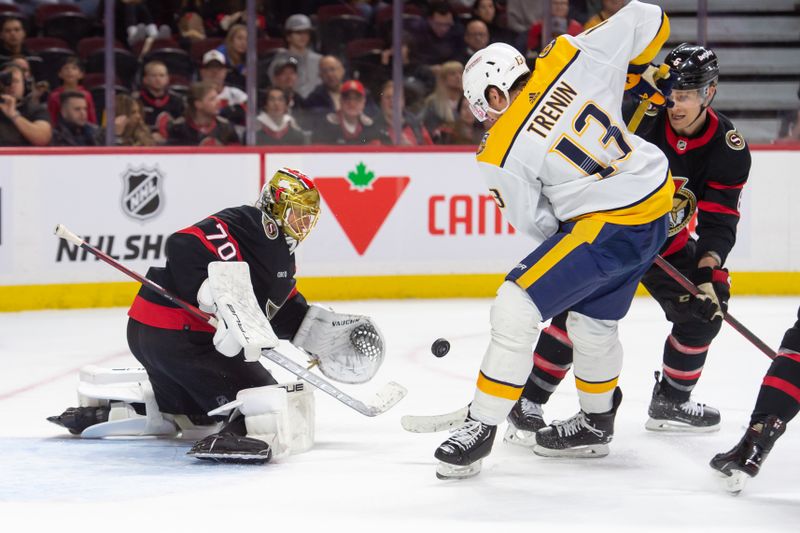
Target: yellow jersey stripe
498	388
584	231
548	70
655	45
656	204
593	387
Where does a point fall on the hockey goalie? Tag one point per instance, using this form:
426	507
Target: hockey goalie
204	382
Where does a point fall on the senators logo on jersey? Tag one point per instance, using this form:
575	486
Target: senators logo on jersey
684	206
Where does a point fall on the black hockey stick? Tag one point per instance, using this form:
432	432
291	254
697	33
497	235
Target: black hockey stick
386	398
684	282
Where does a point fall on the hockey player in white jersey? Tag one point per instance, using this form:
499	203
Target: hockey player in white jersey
563	169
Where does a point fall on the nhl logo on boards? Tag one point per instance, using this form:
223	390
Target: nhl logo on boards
142	197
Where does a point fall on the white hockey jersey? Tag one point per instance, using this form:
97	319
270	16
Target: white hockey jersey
561	150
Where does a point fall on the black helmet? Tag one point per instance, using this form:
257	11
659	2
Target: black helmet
692	66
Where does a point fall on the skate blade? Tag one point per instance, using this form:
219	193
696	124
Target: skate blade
448	471
519	437
672	426
736	481
592	451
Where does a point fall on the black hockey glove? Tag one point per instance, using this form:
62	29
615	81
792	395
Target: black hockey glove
715	284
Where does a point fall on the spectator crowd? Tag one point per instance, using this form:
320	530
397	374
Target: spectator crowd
323	68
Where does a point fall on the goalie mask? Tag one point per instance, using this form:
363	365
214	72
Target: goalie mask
292	201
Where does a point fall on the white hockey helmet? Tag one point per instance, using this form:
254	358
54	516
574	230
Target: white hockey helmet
498	64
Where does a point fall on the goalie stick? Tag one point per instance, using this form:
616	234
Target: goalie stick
386	398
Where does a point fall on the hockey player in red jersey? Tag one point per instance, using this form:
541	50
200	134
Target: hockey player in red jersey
778	402
710	163
238	264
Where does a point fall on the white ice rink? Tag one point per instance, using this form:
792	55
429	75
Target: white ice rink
368	474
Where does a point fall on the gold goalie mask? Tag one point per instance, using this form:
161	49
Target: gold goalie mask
292	201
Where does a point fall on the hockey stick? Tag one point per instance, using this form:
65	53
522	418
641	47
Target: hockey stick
387	397
434	423
684	282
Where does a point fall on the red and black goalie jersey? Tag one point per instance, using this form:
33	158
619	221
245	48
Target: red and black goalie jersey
710	171
234	234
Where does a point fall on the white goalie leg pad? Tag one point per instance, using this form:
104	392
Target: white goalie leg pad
242	323
266	416
597	360
348	348
118	388
302	416
508	360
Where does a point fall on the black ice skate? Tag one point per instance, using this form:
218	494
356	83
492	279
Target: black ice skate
461	455
231	446
524	420
583	435
76	419
667	414
744	460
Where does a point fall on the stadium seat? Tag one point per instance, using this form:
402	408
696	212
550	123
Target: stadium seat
336	31
155	45
327	12
179	84
176	59
364	61
99	96
265	45
34	44
125	64
45	11
89	45
95	79
72	27
198	48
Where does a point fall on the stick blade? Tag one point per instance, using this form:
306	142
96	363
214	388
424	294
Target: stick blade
386	398
434	423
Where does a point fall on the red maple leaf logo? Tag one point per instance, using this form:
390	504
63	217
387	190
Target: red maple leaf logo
361	203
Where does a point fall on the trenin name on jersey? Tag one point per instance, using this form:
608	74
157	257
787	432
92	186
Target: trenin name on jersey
552	109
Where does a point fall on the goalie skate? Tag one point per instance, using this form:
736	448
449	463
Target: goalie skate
667	414
76	419
585	435
524	420
461	455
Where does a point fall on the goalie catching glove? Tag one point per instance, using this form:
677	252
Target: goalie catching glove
650	82
347	348
242	325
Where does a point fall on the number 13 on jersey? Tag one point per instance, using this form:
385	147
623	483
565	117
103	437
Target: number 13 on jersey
586	160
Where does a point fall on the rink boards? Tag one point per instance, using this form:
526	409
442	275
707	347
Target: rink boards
396	223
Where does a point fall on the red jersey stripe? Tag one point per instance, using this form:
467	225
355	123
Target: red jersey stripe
230	236
721	186
714	207
783	386
159	316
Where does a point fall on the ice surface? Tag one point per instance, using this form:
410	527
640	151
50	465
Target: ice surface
369	474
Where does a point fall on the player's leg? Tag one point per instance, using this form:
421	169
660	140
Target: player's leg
685	351
778	402
550	282
514	320
552	359
615	261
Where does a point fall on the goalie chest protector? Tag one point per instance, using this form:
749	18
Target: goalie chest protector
234	234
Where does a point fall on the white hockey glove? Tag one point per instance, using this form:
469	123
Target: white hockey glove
347	348
228	293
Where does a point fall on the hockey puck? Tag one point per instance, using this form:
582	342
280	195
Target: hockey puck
440	347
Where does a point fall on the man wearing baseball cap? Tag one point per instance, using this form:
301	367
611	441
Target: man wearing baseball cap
232	100
349	125
297	31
